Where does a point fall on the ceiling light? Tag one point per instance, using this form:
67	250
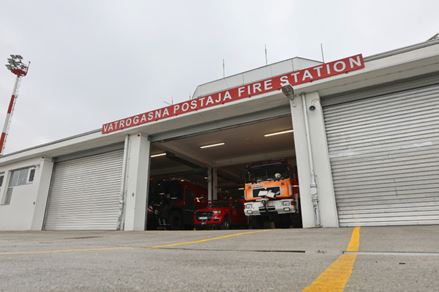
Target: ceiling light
158	155
212	145
278	133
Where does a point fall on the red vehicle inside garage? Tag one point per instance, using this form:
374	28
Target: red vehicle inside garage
221	214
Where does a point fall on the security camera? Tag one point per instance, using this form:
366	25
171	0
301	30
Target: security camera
312	107
288	91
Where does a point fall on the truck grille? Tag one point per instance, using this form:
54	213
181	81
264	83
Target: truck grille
268	209
275	190
202	215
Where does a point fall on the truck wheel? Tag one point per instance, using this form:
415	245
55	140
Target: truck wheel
297	221
188	222
175	220
226	223
255	222
283	221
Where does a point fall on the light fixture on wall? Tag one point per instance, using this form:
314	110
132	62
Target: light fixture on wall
212	145
278	133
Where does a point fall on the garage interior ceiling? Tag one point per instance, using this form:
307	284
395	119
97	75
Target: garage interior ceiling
242	144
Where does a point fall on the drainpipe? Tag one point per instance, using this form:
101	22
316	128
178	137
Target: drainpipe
288	91
121	219
313	185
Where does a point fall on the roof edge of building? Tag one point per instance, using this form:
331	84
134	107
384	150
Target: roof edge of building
51	143
401	50
246	71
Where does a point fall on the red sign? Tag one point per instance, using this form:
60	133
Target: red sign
306	75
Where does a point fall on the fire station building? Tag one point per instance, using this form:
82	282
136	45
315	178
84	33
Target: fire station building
362	132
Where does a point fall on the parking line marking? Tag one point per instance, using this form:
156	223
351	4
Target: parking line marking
204	240
335	277
46	251
98	249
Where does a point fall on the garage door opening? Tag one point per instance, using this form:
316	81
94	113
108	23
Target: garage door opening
243	176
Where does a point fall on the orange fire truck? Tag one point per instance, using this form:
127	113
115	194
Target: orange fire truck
271	194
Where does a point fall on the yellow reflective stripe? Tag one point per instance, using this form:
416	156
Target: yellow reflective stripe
335	277
204	240
354	243
46	251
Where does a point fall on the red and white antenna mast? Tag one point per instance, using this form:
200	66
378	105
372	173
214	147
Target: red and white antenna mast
16	66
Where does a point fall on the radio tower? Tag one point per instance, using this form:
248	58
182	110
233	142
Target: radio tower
16	66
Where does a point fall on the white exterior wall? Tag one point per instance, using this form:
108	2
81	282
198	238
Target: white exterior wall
322	169
28	202
136	182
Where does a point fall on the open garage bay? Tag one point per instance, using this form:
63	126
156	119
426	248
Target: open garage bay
200	176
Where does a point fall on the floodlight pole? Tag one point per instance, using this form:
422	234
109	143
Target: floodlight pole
19	70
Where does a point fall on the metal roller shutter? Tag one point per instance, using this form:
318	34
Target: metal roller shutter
384	154
85	193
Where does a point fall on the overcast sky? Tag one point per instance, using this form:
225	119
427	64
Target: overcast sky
97	61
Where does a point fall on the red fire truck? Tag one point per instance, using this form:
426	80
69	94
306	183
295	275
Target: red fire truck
172	204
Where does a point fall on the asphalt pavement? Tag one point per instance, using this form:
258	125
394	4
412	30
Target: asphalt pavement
389	259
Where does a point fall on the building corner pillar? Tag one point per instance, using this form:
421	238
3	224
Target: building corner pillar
44	177
136	182
319	157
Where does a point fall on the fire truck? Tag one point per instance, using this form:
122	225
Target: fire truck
271	194
172	203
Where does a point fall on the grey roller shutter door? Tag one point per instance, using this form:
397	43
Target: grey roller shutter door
85	193
384	154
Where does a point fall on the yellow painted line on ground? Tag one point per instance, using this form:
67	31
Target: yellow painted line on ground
335	277
113	248
169	245
72	250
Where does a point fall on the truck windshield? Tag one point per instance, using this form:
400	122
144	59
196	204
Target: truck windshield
267	171
220	204
170	189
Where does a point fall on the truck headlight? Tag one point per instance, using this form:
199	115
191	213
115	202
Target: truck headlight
285	203
248	206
